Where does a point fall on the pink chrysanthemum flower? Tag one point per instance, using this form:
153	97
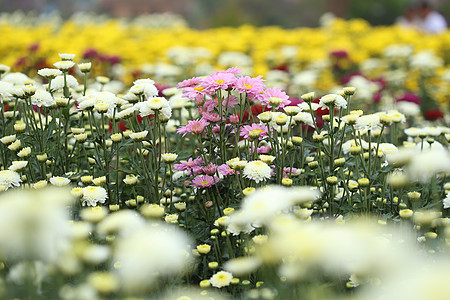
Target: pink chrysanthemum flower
194	92
204	181
211	117
232	70
210	104
275	97
189	164
263	149
234	119
225	170
195	127
288	170
191	82
218	81
216	128
245	130
210	169
252	86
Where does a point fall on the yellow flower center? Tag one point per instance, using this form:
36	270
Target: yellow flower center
199	88
205	182
220	81
247	86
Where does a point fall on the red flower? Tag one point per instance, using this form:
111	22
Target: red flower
433	114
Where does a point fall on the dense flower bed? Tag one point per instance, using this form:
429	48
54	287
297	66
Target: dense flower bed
325	178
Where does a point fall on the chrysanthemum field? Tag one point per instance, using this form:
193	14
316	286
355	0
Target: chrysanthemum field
148	160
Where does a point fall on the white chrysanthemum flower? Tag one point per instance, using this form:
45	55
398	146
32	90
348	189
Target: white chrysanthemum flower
261	206
408	108
42	98
305	106
64	65
15	145
99	98
58	83
96	254
6	90
426	164
17	79
397	117
432	131
85	67
387	148
149	251
126	113
4	68
37	223
364	87
66	56
149	87
169	157
351	143
139	136
18	165
49	73
237	228
9	179
221	279
368	122
242	265
257	171
333	100
8	139
152	105
59	181
304	118
446	201
425	61
305	79
414	132
93	195
122	222
398	51
178	101
25	152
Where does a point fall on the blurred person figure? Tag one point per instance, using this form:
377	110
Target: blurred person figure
410	18
431	20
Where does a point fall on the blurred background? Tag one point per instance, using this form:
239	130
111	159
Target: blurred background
209	13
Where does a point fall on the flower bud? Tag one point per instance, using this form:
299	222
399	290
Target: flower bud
363	182
405	213
204	249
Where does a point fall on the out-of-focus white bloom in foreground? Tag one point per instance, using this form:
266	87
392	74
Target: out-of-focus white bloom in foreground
414	281
149	251
426	164
359	247
262	205
34	224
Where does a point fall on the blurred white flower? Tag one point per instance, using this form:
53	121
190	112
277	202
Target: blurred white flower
34	224
368	122
242	265
149	251
424	165
58	83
